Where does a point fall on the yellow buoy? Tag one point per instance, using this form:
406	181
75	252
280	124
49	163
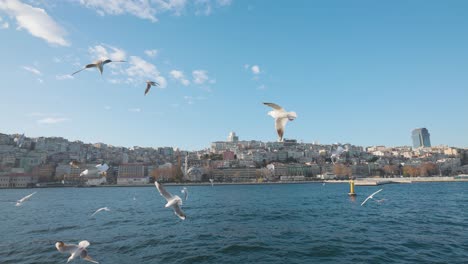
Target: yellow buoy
351	188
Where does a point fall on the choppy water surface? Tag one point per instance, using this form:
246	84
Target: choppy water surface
293	223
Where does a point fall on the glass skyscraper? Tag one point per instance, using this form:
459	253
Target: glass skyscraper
421	138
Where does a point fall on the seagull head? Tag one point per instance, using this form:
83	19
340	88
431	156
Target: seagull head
59	244
292	116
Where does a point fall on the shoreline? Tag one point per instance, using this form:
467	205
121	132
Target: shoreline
358	182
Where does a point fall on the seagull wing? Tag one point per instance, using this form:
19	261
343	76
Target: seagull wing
98	210
91	65
107	61
178	211
163	191
365	200
88	258
274	106
372	195
26	197
84	244
148	87
78	71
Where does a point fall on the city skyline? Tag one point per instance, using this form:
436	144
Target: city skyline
357	73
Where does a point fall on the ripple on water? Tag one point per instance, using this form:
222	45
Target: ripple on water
304	223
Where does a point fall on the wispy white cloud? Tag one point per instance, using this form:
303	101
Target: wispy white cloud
224	2
140	8
135	110
36	21
179	76
143	69
262	87
151	53
191	99
104	51
255	69
4	25
107	107
40	80
52	120
146	9
32	70
203	7
64	77
200	76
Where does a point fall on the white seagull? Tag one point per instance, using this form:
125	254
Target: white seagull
19	140
102	168
212	182
20	201
75	250
99	64
172	200
370	197
281	118
337	153
149	84
185	192
88	172
101	209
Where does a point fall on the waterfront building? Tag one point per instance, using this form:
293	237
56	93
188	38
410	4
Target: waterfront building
17	180
133	173
421	138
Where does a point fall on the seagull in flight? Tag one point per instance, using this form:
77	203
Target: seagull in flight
100	210
75	250
19	140
370	197
281	118
102	168
99	64
212	182
337	153
172	200
185	192
149	84
20	201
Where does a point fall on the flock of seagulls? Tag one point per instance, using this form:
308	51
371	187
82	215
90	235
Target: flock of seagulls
80	250
174	201
99	64
280	115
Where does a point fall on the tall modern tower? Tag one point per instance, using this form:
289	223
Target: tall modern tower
232	137
421	138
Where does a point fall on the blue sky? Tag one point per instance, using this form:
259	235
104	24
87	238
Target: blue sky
360	72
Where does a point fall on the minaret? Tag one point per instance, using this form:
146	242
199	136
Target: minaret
186	166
